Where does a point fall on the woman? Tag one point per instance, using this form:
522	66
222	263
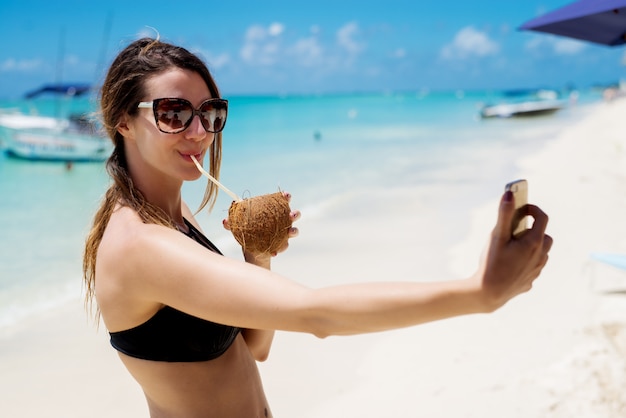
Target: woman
190	324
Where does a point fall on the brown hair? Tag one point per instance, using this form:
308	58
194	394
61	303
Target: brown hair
122	90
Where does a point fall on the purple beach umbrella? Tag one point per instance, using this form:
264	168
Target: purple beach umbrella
598	21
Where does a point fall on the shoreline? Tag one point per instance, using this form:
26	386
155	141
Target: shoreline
556	352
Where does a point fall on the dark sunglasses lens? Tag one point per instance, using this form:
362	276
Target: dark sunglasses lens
213	115
173	115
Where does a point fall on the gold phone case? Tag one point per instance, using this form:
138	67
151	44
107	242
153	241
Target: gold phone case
519	188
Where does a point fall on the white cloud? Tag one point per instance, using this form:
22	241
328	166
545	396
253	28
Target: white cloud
276	29
307	51
268	46
213	61
262	45
558	45
568	46
256	33
218	61
534	43
346	38
11	64
469	42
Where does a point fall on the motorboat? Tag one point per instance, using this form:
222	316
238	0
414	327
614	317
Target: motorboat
35	137
46	138
524	102
522	108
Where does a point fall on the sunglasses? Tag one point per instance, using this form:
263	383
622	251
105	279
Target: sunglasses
175	115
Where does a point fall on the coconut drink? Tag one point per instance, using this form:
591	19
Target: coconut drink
260	224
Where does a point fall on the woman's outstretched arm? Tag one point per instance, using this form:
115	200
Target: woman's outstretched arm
181	274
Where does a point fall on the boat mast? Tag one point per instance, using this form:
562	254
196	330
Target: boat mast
59	73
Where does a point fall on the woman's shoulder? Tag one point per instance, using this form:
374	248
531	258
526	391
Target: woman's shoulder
124	225
128	238
123	251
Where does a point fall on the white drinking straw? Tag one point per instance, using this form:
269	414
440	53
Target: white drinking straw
214	180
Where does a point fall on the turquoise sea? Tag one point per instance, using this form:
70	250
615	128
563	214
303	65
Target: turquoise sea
316	147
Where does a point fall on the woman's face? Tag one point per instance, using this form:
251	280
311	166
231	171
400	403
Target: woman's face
161	155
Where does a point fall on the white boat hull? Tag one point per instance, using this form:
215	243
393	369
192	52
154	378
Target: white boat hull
528	108
44	138
62	146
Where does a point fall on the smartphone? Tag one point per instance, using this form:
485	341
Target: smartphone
519	188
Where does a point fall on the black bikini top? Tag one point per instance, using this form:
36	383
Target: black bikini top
174	336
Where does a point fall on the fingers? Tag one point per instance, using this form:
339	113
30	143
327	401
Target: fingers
502	230
293	232
547	243
540	219
536	236
295	214
506	215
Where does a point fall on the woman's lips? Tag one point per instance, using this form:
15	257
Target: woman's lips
187	156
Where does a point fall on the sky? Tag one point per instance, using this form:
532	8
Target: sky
313	47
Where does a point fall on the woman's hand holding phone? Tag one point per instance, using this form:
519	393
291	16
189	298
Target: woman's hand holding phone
512	262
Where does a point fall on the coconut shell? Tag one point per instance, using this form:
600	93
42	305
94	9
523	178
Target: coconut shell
261	224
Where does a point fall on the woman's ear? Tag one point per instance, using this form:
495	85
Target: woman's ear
124	127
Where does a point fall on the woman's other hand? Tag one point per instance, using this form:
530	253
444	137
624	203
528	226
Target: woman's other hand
293	232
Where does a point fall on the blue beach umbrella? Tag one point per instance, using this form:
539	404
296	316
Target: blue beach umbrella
598	21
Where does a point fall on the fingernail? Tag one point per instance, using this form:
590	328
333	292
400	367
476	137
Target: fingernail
508	196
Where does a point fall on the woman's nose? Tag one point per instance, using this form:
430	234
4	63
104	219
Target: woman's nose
195	131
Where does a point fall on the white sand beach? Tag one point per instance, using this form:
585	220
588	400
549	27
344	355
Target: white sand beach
558	351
